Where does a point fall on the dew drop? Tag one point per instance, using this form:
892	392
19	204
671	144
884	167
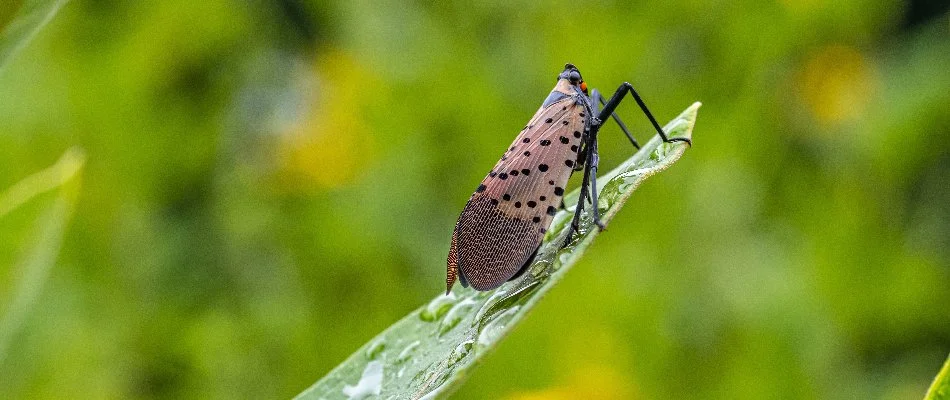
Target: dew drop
502	301
370	383
438	307
375	348
455	315
488	305
564	256
407	352
460	352
493	330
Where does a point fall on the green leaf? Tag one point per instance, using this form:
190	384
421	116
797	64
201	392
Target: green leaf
428	354
940	389
27	17
35	264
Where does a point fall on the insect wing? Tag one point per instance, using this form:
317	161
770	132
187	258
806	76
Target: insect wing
504	221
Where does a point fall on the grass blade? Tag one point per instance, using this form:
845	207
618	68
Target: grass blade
34	266
427	354
31	16
48	179
940	388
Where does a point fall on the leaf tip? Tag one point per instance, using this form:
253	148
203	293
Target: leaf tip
689	116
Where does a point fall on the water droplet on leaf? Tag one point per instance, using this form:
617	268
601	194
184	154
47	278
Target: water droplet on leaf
375	348
460	352
455	315
370	383
438	307
407	352
493	330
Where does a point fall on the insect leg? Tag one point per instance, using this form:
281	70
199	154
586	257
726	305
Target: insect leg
587	154
581	159
593	160
623	127
615	101
585	187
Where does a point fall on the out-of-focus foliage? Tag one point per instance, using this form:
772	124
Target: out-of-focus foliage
20	20
269	184
34	264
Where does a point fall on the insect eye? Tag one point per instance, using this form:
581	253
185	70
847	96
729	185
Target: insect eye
574	76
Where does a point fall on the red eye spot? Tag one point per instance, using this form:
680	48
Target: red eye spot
584	86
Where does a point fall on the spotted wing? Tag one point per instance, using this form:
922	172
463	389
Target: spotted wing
504	221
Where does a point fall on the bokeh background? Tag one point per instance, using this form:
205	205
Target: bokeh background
269	184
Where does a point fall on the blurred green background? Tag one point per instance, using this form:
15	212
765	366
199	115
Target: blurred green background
269	184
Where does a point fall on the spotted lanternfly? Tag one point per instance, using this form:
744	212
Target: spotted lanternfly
503	223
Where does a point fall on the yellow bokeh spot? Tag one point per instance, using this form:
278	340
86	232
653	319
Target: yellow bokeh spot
836	83
331	145
586	382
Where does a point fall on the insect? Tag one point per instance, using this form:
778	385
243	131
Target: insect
502	225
